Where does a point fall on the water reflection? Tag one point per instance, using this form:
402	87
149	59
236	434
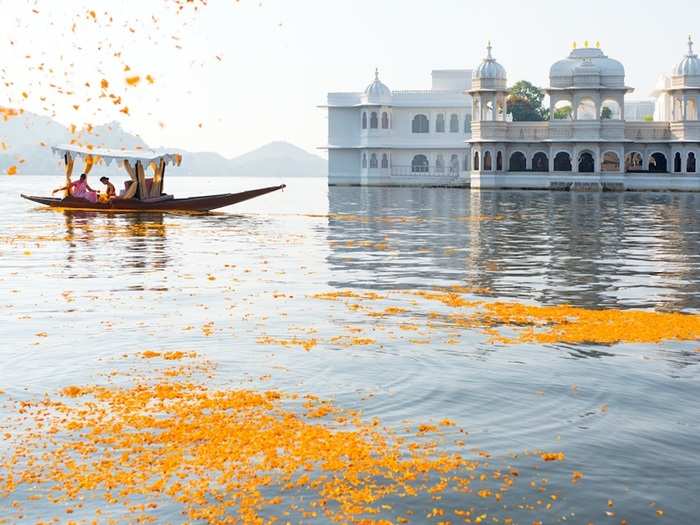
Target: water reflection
138	242
588	249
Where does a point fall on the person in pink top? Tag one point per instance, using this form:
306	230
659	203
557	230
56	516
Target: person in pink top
80	189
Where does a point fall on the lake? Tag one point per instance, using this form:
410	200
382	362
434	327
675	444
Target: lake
416	323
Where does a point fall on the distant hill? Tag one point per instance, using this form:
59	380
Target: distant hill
279	159
25	141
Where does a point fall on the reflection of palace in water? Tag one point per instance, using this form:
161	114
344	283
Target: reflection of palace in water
589	249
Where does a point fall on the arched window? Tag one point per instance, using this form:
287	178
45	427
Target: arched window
476	110
610	110
691	110
677	163
454	164
440	123
677	108
634	162
465	165
562	161
364	160
373	163
658	163
467	123
364	120
454	123
499	161
517	162
562	110
540	162
500	114
385	120
419	164
373	120
611	162
586	164
385	161
420	124
476	161
586	109
488	166
439	164
690	167
488	111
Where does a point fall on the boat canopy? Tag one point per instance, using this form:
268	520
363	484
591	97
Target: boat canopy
134	163
144	156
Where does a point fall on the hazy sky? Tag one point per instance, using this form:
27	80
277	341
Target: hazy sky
277	59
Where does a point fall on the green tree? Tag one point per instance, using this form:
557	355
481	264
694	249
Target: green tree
563	113
606	113
525	102
648	118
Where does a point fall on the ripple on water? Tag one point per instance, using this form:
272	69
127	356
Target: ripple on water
625	415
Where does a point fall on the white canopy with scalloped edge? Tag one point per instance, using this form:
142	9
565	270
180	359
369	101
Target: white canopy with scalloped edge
108	155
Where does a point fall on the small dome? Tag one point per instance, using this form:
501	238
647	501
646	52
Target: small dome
587	61
690	65
586	68
377	91
489	68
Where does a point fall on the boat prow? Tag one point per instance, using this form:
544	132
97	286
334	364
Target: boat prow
203	203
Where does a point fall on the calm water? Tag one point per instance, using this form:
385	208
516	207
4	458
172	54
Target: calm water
104	286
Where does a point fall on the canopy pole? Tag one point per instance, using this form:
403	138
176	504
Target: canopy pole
129	194
158	172
143	190
68	159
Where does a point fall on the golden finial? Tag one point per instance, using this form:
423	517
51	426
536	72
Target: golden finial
597	44
585	43
573	45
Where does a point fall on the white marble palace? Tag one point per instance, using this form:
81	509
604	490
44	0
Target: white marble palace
459	133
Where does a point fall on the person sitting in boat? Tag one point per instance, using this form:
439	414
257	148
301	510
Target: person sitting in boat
110	192
80	189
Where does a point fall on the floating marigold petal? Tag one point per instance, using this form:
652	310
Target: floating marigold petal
552	456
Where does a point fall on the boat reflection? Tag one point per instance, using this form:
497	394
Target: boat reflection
138	241
589	249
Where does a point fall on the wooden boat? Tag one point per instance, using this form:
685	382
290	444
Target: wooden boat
140	193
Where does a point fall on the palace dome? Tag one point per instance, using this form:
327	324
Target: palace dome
489	69
690	65
377	92
587	61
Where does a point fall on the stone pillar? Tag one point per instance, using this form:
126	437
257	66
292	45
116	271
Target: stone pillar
621	155
550	158
621	102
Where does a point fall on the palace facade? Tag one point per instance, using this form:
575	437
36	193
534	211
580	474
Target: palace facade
459	133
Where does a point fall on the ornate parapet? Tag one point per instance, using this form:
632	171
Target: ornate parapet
685	130
527	131
647	131
489	130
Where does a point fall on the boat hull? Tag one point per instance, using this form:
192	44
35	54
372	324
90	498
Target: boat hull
194	204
